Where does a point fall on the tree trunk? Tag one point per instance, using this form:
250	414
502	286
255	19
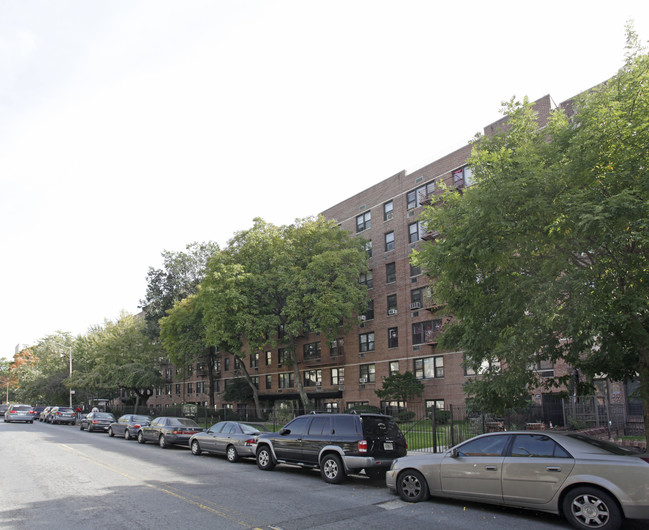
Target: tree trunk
643	375
306	402
255	390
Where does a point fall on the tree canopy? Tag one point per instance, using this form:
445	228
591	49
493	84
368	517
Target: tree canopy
400	387
273	285
546	257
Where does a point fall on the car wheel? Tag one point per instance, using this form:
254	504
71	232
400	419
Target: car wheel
81	426
31	421
196	449
110	432
162	442
265	460
231	453
140	438
331	469
127	435
412	486
591	508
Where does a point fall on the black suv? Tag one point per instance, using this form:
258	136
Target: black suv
338	444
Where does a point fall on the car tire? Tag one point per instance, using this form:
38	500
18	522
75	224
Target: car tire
331	469
412	486
127	435
196	448
110	432
588	507
162	442
81	426
231	453
265	460
140	438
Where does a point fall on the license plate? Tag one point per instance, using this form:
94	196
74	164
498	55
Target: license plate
388	446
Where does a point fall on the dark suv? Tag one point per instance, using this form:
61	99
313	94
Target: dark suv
338	444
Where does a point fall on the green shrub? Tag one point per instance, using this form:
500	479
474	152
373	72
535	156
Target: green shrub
405	415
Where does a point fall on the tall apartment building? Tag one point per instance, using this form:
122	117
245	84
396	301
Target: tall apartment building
400	329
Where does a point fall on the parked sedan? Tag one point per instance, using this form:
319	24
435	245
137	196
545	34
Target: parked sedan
128	426
19	412
167	431
96	421
592	483
62	415
43	416
229	438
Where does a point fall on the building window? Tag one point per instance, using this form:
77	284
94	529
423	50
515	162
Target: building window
394	367
200	387
366	342
312	351
168	390
416	197
190	388
434	404
369	312
388	211
393	337
255	381
414	232
254	360
392	304
389	241
237	363
331	406
363	221
269	382
429	367
337	376
390	272
542	368
366	279
368	248
351	405
336	347
312	377
484	367
463	177
177	388
414	271
226	364
281	332
367	373
286	380
283	356
416	299
269	358
425	332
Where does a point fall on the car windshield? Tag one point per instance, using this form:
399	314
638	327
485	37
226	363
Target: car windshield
21	407
603	445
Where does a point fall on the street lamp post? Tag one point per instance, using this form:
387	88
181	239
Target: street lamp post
70	348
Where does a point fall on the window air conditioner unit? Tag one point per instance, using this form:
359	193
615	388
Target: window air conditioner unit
362	380
363	317
415	305
392	311
318	383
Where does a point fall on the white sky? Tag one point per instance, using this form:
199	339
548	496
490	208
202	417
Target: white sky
131	127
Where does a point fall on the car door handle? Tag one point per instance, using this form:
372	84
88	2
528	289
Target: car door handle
490	468
553	468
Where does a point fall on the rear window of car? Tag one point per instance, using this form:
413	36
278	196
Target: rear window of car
379	426
104	416
65	409
601	444
186	422
141	418
21	407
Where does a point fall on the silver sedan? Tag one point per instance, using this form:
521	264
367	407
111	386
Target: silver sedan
229	438
592	483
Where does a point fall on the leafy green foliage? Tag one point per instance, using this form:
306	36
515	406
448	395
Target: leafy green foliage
400	387
546	257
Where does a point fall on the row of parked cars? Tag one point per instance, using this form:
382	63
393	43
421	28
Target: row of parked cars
590	482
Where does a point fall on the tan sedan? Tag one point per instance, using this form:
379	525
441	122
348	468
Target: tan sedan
592	483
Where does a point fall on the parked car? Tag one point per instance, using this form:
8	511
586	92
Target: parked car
592	483
3	409
62	415
37	411
167	430
337	444
96	421
19	412
229	438
128	426
43	416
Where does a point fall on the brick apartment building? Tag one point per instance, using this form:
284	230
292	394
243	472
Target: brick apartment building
400	329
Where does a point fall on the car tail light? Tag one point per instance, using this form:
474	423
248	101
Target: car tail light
95	421
645	458
136	426
12	411
362	446
57	413
250	441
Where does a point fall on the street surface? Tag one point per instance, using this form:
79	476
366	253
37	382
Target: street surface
56	476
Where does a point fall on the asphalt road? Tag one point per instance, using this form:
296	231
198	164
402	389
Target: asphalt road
56	476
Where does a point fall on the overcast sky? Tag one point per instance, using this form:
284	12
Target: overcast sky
131	127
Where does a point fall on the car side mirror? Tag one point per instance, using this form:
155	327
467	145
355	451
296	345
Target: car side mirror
455	453
284	432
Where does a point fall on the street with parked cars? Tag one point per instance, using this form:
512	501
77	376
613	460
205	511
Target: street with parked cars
555	478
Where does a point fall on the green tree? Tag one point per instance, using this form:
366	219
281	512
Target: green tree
178	278
274	285
546	257
238	391
400	387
